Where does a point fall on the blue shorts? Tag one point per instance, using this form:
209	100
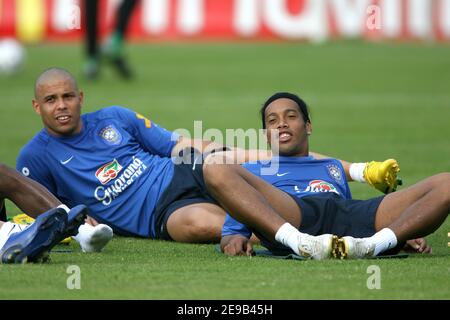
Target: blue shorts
3	211
187	187
330	213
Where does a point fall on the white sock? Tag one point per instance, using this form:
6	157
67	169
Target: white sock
357	172
63	206
384	239
93	239
8	229
289	236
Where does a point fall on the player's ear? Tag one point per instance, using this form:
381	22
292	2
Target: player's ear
308	128
81	95
36	106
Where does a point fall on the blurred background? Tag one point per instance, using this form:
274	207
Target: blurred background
34	21
376	73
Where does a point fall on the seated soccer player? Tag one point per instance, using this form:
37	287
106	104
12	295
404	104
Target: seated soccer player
306	205
120	165
19	243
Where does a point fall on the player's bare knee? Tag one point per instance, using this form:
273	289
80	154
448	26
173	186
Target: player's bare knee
446	177
3	178
8	179
4	170
441	180
441	183
215	158
204	232
200	231
446	187
214	175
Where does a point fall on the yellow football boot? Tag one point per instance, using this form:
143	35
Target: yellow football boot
383	175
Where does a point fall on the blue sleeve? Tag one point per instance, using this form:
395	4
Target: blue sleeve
233	227
152	137
348	193
32	164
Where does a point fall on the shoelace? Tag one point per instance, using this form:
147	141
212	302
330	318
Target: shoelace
308	247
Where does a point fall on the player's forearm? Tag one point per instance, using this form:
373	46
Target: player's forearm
203	146
235	155
239	156
224	154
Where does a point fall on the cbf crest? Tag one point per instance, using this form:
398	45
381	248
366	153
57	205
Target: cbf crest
335	172
111	135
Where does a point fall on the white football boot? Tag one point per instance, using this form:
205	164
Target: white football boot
318	247
355	248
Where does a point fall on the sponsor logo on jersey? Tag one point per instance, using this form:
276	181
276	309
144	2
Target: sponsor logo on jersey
111	135
133	171
108	171
320	186
334	172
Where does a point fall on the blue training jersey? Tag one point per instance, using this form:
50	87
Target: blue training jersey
298	176
118	166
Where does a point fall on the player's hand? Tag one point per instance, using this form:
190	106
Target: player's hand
383	175
419	245
236	245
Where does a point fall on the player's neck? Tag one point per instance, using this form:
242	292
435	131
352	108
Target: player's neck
295	155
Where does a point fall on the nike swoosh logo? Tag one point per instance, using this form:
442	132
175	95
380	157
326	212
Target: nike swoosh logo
282	174
67	161
195	162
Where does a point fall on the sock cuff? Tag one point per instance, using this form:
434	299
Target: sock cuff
63	206
284	230
388	233
385	239
357	171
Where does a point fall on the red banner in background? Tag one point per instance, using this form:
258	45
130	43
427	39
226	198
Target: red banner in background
314	20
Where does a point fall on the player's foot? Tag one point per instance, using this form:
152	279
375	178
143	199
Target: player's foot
318	247
94	238
91	69
75	218
113	52
120	64
33	243
355	248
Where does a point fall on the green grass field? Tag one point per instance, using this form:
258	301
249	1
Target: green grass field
368	101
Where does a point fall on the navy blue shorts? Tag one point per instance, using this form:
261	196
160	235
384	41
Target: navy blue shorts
3	211
330	213
187	187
